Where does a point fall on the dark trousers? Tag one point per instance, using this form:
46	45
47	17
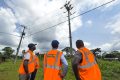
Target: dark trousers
23	77
33	74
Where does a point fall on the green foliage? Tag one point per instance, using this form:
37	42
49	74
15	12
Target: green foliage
104	54
67	50
110	70
8	51
8	70
112	54
116	53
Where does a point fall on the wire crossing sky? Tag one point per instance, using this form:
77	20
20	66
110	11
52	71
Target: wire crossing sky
45	21
74	17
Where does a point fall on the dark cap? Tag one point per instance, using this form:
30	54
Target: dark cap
55	43
31	45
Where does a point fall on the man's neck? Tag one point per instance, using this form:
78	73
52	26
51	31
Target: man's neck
31	50
81	48
54	48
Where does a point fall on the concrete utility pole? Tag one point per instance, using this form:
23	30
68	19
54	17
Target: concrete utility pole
69	7
23	34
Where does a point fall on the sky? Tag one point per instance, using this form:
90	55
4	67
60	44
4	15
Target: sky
98	28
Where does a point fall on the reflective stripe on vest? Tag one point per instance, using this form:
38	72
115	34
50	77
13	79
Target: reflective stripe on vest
53	67
55	64
89	64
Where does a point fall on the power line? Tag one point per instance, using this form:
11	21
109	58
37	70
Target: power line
93	9
48	28
32	23
36	19
9	34
3	42
73	17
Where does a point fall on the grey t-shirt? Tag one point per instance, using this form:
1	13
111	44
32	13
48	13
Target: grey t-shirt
65	64
75	62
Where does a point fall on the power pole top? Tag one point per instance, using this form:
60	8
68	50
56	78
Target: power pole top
23	34
69	7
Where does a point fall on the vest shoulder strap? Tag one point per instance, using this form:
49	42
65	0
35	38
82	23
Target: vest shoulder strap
89	64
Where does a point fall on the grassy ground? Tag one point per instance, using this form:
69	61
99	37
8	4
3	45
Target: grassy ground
110	71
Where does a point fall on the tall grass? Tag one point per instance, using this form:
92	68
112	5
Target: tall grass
110	70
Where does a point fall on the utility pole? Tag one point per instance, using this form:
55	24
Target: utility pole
69	7
23	34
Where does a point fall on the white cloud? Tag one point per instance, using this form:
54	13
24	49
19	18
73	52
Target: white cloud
106	46
88	4
41	14
88	45
89	22
114	24
7	25
49	14
113	45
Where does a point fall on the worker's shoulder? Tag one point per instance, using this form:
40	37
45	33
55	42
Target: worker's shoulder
60	51
27	56
24	53
27	53
77	52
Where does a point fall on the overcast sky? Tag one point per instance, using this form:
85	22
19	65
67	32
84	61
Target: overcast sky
99	28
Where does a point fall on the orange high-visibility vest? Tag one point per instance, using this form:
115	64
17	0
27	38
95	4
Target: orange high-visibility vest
37	65
88	68
31	64
52	65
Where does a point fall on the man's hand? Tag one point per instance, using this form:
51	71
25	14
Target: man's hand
62	76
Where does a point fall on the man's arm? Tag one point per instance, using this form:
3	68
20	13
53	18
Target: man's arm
75	62
65	66
25	65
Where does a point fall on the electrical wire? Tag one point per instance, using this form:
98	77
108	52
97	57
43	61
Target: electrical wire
9	34
72	18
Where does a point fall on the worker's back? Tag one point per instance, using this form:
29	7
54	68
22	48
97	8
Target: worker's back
52	65
88	68
31	65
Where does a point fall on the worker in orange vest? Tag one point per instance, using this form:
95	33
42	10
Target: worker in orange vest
37	66
84	64
53	61
28	64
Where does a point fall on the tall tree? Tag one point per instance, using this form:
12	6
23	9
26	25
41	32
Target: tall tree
8	51
116	53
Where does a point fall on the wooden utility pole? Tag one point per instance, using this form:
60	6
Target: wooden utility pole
23	34
69	7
